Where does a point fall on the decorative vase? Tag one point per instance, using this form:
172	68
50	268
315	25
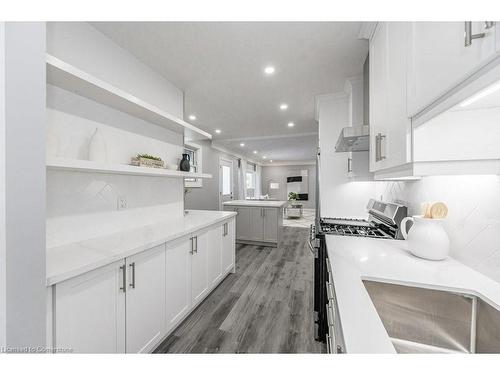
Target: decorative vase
184	165
426	238
97	147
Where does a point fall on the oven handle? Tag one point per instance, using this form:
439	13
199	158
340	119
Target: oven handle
310	240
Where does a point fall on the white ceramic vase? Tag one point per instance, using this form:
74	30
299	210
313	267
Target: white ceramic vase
97	147
427	238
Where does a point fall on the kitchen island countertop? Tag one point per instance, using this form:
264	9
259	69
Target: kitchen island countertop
256	203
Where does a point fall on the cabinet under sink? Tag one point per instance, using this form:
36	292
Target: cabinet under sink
422	320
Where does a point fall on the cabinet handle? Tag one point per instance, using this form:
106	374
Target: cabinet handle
468	34
349	165
196	244
132	284
124	279
192	246
378	147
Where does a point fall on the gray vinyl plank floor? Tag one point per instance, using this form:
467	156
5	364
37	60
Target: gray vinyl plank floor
265	307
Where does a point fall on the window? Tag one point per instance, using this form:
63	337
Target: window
250	180
226	180
194	152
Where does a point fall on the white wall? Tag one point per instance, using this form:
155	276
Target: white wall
340	197
72	119
83	46
23	176
279	173
207	196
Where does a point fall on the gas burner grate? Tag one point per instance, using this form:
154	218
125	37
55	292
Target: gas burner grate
366	229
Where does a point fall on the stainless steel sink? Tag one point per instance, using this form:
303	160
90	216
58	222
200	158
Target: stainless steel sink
421	320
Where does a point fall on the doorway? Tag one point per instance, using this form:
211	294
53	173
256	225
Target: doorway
225	181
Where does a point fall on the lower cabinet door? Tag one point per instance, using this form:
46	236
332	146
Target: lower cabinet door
199	268
90	311
243	223
145	299
271	224
214	248
228	247
178	285
257	224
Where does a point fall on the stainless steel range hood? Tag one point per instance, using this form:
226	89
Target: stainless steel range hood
353	138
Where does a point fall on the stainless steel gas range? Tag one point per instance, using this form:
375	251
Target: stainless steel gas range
383	222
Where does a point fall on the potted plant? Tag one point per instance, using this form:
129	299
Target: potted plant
146	160
292	197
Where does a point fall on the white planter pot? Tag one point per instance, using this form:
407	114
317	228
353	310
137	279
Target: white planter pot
427	238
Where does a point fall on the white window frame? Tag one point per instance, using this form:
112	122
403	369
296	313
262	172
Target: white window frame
196	148
251	169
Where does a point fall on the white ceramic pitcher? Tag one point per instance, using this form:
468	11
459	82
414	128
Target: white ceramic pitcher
427	238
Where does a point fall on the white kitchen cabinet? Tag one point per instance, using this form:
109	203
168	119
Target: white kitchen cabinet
270	224
178	284
390	126
214	250
90	311
145	301
130	305
257	224
199	268
438	59
228	247
243	223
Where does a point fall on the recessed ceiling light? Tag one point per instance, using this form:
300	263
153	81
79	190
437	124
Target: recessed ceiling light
264	157
192	117
217	131
242	144
255	152
270	161
291	124
269	70
283	106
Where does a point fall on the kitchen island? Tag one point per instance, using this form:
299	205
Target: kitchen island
259	222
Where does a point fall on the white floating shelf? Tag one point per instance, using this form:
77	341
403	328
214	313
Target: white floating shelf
68	77
90	166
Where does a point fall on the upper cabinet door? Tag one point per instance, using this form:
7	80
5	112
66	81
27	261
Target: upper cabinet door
146	322
90	311
439	59
390	126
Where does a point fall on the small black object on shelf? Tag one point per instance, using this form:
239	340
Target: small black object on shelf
184	165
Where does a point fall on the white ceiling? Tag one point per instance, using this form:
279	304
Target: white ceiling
220	66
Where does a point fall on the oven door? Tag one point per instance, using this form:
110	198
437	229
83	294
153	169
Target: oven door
320	296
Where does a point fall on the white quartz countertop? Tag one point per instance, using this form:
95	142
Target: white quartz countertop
354	259
73	259
256	203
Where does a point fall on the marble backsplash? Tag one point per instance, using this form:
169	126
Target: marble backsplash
473	221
